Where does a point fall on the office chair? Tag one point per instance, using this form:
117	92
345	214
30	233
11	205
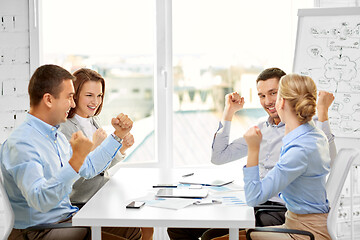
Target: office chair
338	173
263	208
6	212
334	185
7	218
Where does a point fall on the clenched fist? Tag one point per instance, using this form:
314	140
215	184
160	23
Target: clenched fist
81	147
324	101
98	137
128	141
253	137
122	124
233	103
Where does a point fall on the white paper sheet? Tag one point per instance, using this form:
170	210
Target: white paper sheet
171	203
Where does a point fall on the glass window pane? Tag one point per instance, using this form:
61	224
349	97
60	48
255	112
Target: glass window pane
116	39
220	46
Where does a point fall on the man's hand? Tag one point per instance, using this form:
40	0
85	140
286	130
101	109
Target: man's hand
324	101
233	103
122	124
128	141
98	137
81	147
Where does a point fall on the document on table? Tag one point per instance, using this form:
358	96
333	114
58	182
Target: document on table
171	203
229	198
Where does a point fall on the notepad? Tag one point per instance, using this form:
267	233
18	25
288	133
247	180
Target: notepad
182	193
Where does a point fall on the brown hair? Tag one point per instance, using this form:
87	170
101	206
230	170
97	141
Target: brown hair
82	76
270	73
301	93
47	79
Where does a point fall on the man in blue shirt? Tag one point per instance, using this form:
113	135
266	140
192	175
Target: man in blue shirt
39	165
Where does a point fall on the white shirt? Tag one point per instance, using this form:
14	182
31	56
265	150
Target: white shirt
88	127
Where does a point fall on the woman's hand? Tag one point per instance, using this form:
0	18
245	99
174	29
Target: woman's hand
253	139
98	137
128	141
325	100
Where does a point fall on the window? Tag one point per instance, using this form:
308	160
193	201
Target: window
115	38
216	47
220	46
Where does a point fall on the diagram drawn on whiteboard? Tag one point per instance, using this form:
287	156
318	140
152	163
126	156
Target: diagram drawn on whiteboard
328	50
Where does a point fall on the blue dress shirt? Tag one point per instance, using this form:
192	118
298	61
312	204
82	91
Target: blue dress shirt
37	175
299	175
272	135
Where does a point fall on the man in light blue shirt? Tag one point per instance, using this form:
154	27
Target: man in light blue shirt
39	165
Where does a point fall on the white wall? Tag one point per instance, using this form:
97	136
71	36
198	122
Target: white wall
14	64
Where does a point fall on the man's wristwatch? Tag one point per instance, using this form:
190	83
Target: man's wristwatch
117	138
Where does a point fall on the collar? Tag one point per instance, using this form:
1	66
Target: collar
299	131
270	122
44	128
82	120
73	120
94	121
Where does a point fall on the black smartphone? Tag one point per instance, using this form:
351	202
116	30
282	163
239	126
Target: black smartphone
135	204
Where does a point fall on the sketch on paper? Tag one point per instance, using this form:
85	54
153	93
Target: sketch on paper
328	51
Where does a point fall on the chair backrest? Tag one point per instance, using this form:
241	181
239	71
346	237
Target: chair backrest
6	212
335	182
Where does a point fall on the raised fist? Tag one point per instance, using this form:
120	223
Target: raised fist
233	103
122	124
128	141
253	137
81	147
98	137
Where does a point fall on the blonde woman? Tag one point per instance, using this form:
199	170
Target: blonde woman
304	163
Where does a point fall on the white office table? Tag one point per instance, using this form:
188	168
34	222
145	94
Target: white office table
107	207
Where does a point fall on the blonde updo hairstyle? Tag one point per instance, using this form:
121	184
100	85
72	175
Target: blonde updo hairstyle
300	91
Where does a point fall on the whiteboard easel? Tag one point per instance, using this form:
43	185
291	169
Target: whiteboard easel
328	50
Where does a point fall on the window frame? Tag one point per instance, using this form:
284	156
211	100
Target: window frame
163	88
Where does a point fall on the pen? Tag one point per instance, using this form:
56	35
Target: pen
188	175
165	186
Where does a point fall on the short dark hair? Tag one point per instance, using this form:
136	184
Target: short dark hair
82	76
270	73
47	79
